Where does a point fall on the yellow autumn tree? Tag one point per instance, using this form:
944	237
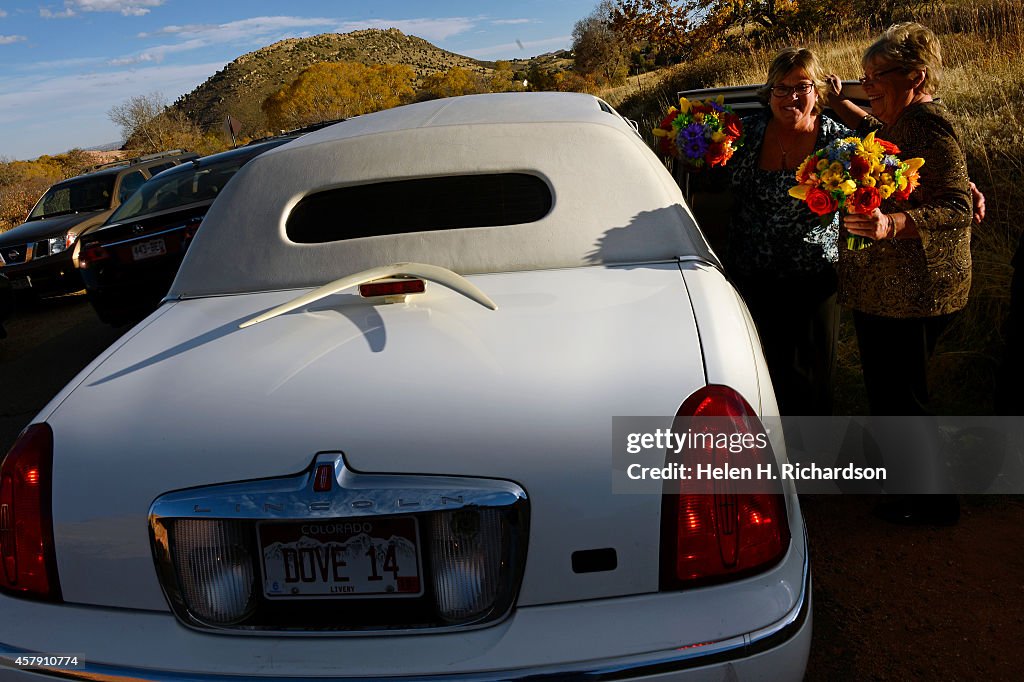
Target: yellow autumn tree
452	83
504	78
335	90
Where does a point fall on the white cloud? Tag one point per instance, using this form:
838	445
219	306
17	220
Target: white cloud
134	8
129	8
506	22
155	55
61	112
2	14
65	13
8	40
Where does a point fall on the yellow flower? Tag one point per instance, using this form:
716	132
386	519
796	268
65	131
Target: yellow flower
848	187
661	132
868	181
717	136
699	117
822	165
684	105
831	180
885	191
914	164
836	167
799	192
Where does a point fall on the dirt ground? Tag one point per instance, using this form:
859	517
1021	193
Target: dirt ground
890	602
916	603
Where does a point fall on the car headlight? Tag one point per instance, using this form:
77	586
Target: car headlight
55	245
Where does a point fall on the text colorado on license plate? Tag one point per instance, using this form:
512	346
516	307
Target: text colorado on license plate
341	558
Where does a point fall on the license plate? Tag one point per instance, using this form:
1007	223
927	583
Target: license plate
148	249
21	283
341	558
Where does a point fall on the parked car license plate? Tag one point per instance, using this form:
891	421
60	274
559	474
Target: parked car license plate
356	557
21	283
148	249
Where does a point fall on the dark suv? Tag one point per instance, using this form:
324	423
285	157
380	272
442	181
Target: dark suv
128	263
37	254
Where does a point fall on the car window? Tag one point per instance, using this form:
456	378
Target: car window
191	185
85	194
153	170
424	205
129	183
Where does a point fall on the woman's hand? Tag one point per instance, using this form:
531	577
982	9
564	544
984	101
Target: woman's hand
835	86
874	225
979	204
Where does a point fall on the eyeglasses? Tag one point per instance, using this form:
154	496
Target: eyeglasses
865	78
786	90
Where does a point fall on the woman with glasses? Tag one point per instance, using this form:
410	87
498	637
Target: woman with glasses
788	282
907	287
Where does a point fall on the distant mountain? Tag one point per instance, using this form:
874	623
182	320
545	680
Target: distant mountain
240	87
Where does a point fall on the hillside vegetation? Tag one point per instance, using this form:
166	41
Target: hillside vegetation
240	88
983	86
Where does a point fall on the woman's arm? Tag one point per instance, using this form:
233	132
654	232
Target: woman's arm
848	112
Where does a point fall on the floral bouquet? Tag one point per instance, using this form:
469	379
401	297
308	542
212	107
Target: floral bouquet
700	133
854	175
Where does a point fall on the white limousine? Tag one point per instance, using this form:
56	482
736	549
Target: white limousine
369	432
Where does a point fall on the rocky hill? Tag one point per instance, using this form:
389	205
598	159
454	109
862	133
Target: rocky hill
240	87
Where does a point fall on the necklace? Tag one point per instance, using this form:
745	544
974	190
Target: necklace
785	153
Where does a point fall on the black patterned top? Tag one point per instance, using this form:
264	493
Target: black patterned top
767	235
931	275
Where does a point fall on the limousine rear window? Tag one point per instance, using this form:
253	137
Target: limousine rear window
419	205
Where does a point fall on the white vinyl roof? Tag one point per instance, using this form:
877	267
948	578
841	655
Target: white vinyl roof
613	200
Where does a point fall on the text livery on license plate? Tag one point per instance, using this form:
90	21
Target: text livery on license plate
341	558
148	249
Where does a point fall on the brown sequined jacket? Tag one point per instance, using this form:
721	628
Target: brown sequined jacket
931	275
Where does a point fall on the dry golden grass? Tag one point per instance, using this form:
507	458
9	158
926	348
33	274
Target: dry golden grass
983	86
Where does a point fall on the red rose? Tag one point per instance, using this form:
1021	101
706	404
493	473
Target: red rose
865	200
859	167
731	125
889	147
718	153
821	202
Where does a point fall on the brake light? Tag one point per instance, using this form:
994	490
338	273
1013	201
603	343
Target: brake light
394	287
28	563
91	253
190	229
709	532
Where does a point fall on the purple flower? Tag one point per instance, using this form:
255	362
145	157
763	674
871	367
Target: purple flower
691	142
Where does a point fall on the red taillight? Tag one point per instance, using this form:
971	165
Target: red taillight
710	532
190	231
28	564
92	253
395	287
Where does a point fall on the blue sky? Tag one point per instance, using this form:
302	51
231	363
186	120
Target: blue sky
64	63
